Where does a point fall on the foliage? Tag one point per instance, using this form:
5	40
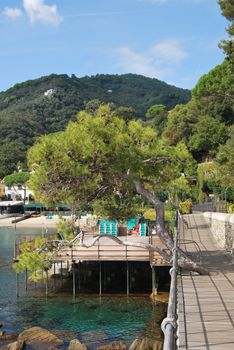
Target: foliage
16	178
26	113
230	208
179	189
227	7
157	116
185	207
225	162
205	171
214	93
98	159
36	263
149	214
66	228
181	121
202	124
208	134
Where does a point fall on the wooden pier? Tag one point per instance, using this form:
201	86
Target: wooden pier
106	249
206	303
129	250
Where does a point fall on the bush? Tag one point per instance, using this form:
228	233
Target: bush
186	207
230	208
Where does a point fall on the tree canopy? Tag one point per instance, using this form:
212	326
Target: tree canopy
106	160
19	178
101	157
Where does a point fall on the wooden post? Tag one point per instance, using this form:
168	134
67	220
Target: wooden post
104	265
73	280
100	278
54	276
17	285
46	284
127	278
154	281
79	275
61	270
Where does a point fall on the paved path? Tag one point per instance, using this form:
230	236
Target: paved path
206	303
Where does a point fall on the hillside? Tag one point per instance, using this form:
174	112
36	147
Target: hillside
45	105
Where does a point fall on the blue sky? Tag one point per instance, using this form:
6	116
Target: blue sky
172	40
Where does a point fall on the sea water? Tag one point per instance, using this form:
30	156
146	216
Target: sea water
93	320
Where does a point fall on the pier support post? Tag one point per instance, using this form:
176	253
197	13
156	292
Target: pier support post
100	278
127	275
46	283
17	284
79	275
73	280
154	281
54	276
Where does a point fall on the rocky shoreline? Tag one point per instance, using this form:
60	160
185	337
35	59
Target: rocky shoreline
38	338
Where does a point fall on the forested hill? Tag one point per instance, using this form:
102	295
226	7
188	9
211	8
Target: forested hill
71	93
45	105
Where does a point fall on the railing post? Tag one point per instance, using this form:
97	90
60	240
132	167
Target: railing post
169	324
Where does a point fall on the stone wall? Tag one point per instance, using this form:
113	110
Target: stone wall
222	227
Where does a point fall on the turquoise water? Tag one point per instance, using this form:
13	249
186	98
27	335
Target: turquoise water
92	319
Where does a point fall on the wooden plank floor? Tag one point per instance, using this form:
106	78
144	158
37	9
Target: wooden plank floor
206	303
108	250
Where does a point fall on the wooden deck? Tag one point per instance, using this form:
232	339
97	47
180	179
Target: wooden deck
206	303
107	250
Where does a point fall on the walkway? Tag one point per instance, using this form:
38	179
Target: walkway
206	303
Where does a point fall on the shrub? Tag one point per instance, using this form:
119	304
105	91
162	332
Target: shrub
186	207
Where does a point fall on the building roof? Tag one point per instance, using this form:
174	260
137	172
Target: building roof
10	203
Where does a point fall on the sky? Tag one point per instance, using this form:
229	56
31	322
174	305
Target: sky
172	40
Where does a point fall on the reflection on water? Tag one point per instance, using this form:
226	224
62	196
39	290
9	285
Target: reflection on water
92	319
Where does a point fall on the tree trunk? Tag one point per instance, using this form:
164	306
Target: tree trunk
183	261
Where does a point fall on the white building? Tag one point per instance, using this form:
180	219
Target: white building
18	192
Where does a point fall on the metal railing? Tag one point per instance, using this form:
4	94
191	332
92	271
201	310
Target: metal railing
169	324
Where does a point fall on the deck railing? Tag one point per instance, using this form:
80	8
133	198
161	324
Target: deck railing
169	324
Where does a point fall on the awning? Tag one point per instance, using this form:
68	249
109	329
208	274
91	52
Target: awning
10	203
40	205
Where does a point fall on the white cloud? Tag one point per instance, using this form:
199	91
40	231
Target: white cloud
11	12
159	61
170	50
37	10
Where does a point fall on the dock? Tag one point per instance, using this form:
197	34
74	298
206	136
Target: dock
205	303
105	249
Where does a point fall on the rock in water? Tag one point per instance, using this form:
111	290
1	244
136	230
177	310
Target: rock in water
17	345
135	344
115	345
146	344
75	344
39	338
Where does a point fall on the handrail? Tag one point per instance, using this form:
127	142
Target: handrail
169	324
191	241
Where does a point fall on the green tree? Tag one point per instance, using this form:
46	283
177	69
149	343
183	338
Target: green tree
214	93
207	136
181	121
227	7
225	163
20	178
157	116
107	159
